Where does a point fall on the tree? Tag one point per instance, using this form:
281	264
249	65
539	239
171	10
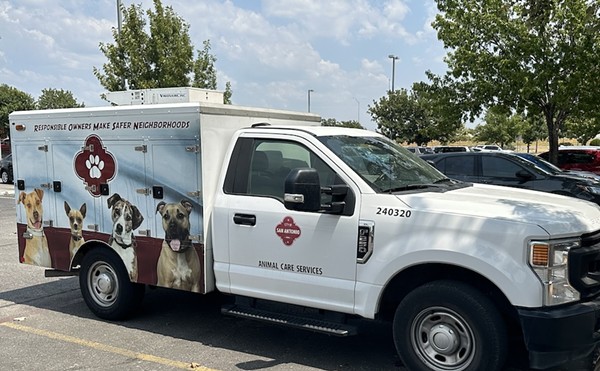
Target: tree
535	56
12	99
582	129
54	98
499	127
346	124
400	117
533	130
161	59
424	114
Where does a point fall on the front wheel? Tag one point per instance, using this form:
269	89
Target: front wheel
105	285
449	326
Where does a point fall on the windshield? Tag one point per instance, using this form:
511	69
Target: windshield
383	164
540	162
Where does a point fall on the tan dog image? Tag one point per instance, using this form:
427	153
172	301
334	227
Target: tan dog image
76	222
126	218
36	245
178	264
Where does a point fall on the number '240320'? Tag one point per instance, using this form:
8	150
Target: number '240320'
389	211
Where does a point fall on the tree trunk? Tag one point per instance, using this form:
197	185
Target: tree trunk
553	130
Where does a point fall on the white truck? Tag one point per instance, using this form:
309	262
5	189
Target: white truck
333	224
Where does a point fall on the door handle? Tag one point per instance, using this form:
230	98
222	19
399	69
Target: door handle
244	219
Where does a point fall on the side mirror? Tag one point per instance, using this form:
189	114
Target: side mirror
524	175
302	190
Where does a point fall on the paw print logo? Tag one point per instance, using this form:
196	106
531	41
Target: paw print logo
94	165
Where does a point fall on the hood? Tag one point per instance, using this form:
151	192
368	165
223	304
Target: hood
557	215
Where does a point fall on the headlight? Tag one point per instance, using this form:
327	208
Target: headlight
550	261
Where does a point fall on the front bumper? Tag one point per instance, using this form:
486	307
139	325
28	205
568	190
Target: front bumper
558	336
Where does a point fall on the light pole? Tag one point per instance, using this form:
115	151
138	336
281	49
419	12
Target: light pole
309	91
393	58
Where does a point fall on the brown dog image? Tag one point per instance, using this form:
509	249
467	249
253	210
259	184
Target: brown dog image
36	245
76	223
178	264
126	218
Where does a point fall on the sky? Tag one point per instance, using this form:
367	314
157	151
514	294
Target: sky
272	51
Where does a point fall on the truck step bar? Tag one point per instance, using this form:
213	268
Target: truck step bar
290	320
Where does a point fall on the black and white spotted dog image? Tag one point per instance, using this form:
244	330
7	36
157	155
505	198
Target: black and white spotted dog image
178	264
126	218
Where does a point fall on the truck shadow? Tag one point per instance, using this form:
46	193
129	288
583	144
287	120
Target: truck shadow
198	318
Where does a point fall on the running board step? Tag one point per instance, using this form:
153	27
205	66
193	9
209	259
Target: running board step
326	327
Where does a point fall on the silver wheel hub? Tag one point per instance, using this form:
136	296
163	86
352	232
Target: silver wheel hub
103	284
442	339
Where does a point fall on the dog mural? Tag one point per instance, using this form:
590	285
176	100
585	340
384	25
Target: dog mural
178	264
76	224
36	245
126	218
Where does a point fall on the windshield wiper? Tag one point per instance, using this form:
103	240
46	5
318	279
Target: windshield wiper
410	187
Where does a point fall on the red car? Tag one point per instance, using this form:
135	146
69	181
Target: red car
585	158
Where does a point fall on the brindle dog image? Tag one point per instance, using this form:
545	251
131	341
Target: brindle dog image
178	264
126	218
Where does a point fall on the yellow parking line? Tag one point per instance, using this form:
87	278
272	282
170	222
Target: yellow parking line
107	348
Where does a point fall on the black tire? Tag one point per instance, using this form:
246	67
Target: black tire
449	326
106	287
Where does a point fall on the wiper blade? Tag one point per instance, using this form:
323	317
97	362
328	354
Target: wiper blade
410	187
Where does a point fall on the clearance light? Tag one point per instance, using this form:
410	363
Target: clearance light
20	127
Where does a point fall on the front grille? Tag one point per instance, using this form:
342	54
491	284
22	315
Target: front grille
584	265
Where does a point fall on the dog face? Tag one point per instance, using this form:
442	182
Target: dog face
33	207
125	217
176	223
76	218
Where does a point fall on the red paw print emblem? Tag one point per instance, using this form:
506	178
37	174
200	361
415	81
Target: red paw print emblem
94	165
288	231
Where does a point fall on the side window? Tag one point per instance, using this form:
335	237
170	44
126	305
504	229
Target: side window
498	167
273	160
463	165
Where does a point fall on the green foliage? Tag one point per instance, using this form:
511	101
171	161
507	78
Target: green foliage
499	127
54	98
12	99
424	114
595	142
205	74
162	58
346	124
227	93
533	56
582	129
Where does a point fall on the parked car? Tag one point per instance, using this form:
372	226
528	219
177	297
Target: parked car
420	150
577	158
447	149
5	147
551	168
6	169
507	169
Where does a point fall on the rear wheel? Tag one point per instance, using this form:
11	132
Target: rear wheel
449	326
105	285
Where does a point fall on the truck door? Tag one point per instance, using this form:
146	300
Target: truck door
305	258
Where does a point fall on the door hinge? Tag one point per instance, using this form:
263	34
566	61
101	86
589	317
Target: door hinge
144	232
194	149
143	191
143	148
43	148
93	227
197	194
